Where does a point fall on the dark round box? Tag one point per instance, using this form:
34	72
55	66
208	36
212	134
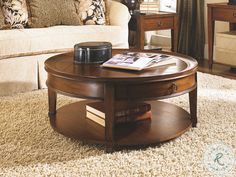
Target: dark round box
92	52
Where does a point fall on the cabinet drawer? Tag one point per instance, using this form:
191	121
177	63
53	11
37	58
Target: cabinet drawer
224	14
158	23
155	89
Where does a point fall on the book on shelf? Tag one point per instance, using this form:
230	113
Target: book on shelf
149	7
121	119
95	118
98	108
139	61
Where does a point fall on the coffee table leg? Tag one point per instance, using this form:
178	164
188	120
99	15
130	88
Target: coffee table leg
52	102
109	99
193	106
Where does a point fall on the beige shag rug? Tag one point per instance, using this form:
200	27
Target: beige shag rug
29	146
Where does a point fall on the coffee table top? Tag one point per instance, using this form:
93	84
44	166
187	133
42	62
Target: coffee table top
64	65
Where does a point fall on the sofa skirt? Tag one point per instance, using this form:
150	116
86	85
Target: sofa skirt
23	74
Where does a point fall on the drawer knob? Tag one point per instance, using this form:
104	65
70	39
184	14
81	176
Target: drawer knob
173	88
159	24
234	14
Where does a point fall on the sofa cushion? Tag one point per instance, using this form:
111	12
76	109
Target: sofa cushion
44	13
15	12
91	12
61	38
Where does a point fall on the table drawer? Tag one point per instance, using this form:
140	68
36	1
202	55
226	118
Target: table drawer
224	14
158	23
155	89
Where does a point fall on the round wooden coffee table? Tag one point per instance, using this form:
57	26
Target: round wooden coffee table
92	82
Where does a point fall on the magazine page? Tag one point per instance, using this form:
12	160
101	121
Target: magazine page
135	60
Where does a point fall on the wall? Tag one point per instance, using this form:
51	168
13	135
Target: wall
219	26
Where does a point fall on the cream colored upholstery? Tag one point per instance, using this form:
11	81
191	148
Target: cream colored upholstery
57	38
18	75
23	51
225	51
42	74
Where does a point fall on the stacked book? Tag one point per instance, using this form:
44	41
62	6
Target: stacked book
149	7
95	111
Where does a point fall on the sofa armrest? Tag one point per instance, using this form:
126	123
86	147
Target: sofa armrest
118	13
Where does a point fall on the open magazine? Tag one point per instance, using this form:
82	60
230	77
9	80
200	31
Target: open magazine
139	61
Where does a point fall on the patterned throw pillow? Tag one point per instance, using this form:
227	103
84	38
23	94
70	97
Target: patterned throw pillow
91	12
15	13
45	13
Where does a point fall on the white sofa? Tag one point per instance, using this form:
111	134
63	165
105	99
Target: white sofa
23	51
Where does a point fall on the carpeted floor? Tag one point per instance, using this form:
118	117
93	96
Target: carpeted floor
29	146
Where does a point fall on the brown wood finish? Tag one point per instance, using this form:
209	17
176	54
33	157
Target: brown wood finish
52	101
219	12
193	106
109	100
165	89
168	122
91	81
152	22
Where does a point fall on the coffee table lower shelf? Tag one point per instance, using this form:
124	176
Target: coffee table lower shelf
168	122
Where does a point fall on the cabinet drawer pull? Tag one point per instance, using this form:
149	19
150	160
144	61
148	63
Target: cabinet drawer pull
159	24
234	14
173	88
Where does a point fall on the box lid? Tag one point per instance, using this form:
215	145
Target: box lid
93	45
